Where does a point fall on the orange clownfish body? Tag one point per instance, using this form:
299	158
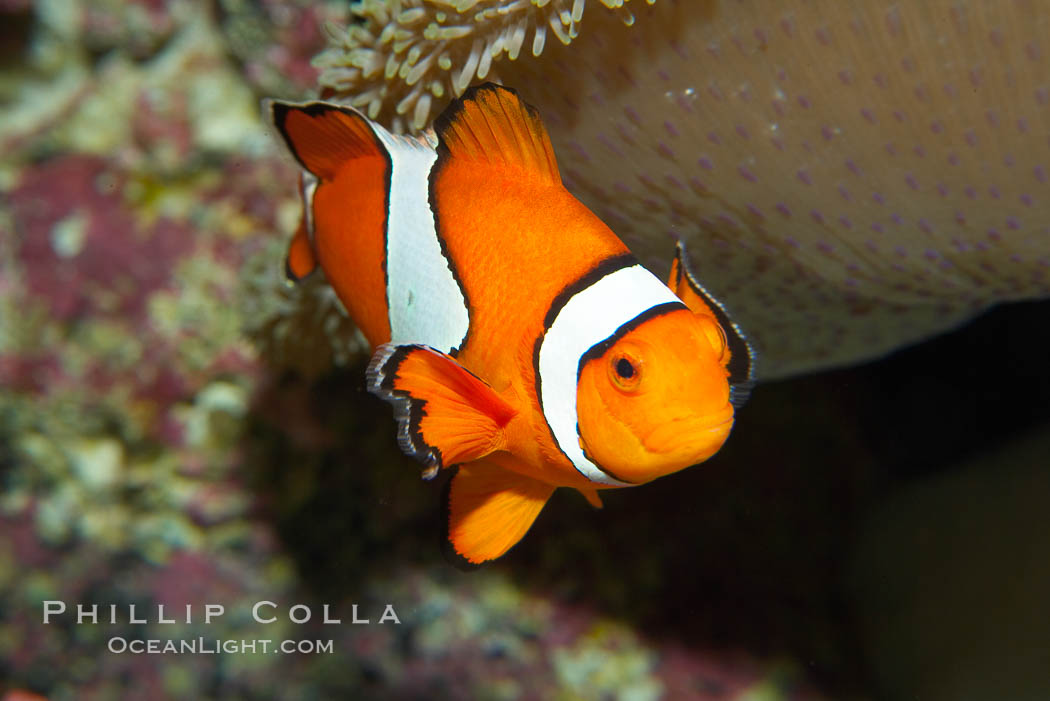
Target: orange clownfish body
514	333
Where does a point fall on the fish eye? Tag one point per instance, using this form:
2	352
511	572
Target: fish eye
625	370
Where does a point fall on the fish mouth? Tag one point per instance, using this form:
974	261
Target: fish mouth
677	443
700	437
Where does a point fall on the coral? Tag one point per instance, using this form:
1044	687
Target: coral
395	58
175	427
180	426
606	661
77	240
300	326
274	41
849	179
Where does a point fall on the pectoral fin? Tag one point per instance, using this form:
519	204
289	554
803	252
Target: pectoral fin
489	509
446	415
741	361
684	284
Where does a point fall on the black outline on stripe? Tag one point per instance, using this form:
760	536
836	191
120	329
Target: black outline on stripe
601	347
279	110
442	123
432	200
386	232
603	268
742	363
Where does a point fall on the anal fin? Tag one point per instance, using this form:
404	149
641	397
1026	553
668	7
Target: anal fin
446	414
489	509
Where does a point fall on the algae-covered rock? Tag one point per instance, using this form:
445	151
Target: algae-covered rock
180	427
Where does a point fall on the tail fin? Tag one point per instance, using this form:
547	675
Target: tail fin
324	135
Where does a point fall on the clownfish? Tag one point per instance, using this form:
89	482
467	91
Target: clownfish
520	343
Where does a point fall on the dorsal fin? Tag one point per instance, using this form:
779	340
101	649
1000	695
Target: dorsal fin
323	135
491	123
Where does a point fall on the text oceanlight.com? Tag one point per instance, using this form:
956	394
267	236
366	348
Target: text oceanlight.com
205	646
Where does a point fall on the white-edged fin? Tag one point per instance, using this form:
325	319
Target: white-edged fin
742	359
379	378
446	415
619	294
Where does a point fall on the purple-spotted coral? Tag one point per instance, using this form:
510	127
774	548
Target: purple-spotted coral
849	178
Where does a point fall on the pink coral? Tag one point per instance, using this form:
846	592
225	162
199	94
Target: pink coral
116	265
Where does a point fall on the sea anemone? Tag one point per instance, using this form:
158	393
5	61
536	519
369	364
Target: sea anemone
302	326
848	177
400	56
